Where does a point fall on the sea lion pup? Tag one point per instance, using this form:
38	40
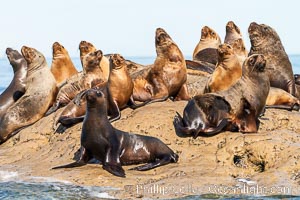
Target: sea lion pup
86	48
227	72
167	77
91	72
39	96
62	66
280	99
206	49
264	40
16	87
120	88
237	108
113	147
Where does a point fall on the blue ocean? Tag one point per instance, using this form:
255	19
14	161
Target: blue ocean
16	189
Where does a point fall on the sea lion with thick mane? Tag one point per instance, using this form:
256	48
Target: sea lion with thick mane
119	96
91	72
227	72
16	87
264	40
113	147
167	77
62	66
237	108
206	49
39	96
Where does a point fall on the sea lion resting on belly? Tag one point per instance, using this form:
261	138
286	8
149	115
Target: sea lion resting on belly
264	40
237	108
17	86
113	147
40	94
167	77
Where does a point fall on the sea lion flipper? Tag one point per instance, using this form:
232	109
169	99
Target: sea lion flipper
285	107
53	108
133	105
116	170
183	93
159	162
114	111
213	131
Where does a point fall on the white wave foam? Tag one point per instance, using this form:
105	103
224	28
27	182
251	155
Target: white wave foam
8	176
104	195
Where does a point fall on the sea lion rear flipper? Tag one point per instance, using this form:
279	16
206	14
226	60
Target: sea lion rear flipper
165	160
133	105
180	127
213	131
83	160
183	94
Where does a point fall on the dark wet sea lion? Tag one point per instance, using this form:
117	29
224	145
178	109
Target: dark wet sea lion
39	96
62	66
206	49
264	40
91	72
167	77
227	72
237	108
16	87
281	99
113	147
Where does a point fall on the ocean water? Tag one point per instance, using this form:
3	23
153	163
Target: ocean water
6	72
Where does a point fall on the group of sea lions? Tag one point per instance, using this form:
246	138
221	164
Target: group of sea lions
240	86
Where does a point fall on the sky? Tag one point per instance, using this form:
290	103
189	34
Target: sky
128	26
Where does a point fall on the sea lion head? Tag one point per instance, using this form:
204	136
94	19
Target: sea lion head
232	28
162	38
262	34
209	34
116	61
224	50
238	45
86	48
255	63
95	98
92	60
14	57
58	49
32	56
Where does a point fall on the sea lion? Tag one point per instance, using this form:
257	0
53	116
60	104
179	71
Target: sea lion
113	147
120	88
206	49
264	40
86	48
240	50
16	87
236	108
167	77
62	66
91	72
40	93
227	72
280	99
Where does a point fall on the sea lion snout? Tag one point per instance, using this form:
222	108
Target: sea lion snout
252	27
8	50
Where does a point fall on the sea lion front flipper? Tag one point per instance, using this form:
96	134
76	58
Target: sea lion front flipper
53	108
83	160
165	160
133	105
114	112
213	131
116	170
183	94
181	128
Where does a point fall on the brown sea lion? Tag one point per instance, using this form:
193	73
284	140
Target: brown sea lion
40	93
227	72
206	49
86	48
119	96
264	40
16	87
237	108
240	50
62	66
281	99
167	77
113	147
91	72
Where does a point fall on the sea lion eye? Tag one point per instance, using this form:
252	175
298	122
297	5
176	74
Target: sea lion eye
212	33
